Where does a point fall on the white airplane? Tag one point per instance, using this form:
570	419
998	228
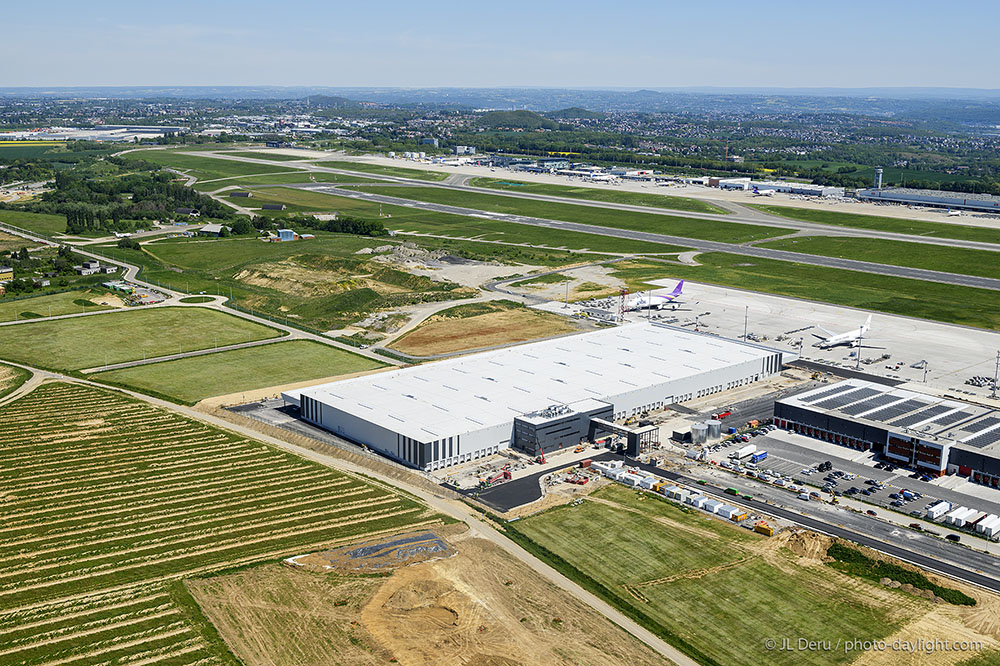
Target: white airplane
954	213
852	338
654	301
122	235
763	193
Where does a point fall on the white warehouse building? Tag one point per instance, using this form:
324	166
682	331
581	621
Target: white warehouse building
539	396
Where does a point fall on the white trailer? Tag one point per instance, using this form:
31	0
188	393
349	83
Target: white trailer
727	511
992	529
697	501
712	506
743	452
986	522
648	482
683	495
631	480
670	491
936	511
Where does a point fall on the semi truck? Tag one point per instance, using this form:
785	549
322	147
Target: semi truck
743	452
758	456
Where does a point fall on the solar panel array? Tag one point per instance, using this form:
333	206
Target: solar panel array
839	401
920	416
869	404
839	388
984	440
948	419
892	411
981	425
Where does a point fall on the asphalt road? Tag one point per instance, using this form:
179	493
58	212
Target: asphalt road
702	245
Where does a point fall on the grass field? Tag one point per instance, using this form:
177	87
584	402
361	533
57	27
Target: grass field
205	168
11	378
382	170
714	590
41	223
109	503
730	232
51	305
476	325
279	179
192	379
893	224
114	337
688	204
405	219
9	242
277	157
197	299
983	263
881	293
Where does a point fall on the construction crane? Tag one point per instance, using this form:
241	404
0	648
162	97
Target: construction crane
541	458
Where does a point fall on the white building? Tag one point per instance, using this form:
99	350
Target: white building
548	394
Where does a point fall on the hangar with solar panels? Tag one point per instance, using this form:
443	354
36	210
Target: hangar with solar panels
930	434
536	397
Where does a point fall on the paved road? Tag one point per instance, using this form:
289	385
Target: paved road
438	502
703	245
741	214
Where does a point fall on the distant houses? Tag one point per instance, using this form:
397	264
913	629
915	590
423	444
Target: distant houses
93	267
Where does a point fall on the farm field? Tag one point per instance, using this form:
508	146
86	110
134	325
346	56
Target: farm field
111	502
83	342
717	230
688	204
11	378
205	168
893	224
476	325
478	607
702	582
41	223
9	242
382	170
192	379
880	293
983	263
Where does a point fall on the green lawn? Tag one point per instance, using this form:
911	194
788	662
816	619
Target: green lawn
599	194
730	232
114	337
881	293
983	263
893	224
705	588
11	378
382	170
50	305
41	223
205	168
192	379
277	157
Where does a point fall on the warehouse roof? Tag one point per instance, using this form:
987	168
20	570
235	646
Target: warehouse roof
920	415
469	393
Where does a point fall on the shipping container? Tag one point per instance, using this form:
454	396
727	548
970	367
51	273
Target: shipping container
744	451
586	463
763	528
649	481
697	501
936	511
712	505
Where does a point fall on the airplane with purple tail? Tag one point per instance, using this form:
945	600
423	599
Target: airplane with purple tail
654	301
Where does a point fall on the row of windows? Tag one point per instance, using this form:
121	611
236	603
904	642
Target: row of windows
465	457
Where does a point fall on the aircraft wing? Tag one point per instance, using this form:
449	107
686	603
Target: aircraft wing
829	334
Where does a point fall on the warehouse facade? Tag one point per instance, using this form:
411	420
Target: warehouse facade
927	433
449	412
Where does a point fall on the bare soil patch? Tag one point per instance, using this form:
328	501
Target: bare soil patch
441	335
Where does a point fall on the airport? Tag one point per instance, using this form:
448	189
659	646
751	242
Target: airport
535	397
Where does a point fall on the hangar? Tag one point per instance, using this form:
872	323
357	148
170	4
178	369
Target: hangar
930	434
539	396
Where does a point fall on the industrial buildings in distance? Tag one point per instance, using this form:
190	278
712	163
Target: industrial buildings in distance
537	397
930	434
933	198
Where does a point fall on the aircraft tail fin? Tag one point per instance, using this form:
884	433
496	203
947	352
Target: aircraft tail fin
678	289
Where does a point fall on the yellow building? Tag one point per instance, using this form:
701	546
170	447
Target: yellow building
6	273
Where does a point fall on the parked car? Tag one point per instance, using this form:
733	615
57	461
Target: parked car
953	537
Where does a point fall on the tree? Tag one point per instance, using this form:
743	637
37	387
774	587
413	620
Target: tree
242	227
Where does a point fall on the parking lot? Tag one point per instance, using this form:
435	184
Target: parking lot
790	455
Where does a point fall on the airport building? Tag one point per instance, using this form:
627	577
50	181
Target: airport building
933	198
927	433
536	397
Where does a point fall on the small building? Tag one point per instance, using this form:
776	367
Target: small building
286	235
41	282
6	274
279	144
88	268
190	212
273	206
464	150
429	141
240	195
213	230
108	269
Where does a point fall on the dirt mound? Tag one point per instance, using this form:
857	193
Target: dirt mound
382	555
807	545
490	660
424	602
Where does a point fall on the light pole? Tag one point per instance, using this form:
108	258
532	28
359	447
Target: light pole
746	320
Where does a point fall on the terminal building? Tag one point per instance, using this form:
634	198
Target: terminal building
927	433
537	397
933	198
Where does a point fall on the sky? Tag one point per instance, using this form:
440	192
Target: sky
637	44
